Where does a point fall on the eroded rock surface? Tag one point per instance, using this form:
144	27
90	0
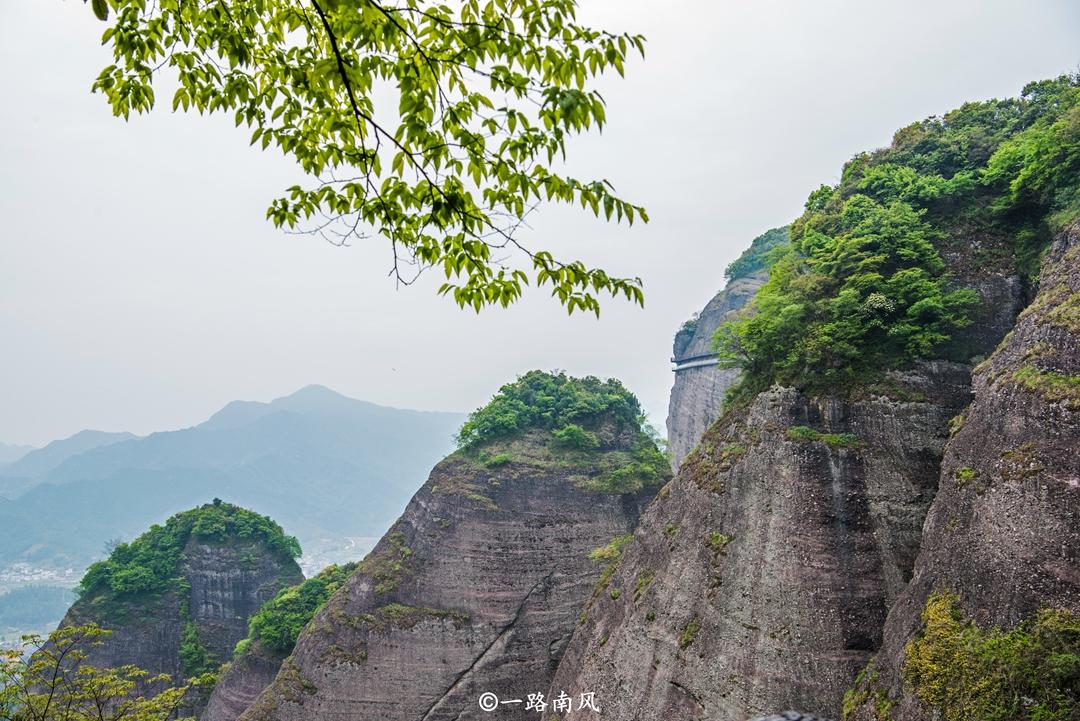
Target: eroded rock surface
241	684
698	391
476	588
1003	533
761	576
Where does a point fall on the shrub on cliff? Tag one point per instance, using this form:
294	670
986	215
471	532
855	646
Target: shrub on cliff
645	467
149	564
576	438
862	286
550	401
762	252
278	623
865	290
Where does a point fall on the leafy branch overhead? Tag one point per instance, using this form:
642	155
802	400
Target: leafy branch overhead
487	95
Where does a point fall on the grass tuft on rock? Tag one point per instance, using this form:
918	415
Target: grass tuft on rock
806	434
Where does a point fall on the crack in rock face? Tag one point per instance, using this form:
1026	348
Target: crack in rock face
761	575
1002	534
476	589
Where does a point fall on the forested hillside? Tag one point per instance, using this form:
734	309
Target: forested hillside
878	271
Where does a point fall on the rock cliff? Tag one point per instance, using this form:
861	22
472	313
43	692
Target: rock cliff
766	569
1002	537
760	577
241	683
191	622
476	588
271	636
698	390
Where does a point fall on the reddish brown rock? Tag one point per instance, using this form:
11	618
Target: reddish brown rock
476	588
761	576
1003	533
241	683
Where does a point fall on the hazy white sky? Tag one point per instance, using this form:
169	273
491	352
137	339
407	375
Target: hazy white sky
141	289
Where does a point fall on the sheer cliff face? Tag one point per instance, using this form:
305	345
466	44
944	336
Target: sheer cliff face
761	576
476	588
241	684
698	391
228	584
1003	533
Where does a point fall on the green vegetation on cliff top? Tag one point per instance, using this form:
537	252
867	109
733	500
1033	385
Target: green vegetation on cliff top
761	254
593	425
278	623
150	563
863	285
550	401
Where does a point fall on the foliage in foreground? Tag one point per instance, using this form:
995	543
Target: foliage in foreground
862	286
278	623
48	680
487	95
150	563
1031	673
551	401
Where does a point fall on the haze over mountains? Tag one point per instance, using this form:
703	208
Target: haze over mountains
11	452
332	470
28	469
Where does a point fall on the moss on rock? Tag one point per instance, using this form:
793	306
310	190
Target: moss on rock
1029	673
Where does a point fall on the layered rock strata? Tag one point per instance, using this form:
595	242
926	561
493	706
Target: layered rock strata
475	589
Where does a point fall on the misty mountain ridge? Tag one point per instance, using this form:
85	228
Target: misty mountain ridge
331	469
21	473
11	452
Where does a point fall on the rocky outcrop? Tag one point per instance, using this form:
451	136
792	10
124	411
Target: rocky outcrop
224	584
698	391
761	576
476	588
241	683
1003	533
272	635
228	585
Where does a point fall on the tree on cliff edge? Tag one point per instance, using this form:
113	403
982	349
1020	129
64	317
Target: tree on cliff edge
487	95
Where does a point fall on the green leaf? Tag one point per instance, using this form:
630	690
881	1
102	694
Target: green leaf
465	167
101	9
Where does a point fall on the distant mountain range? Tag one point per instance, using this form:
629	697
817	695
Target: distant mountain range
329	468
28	469
11	452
